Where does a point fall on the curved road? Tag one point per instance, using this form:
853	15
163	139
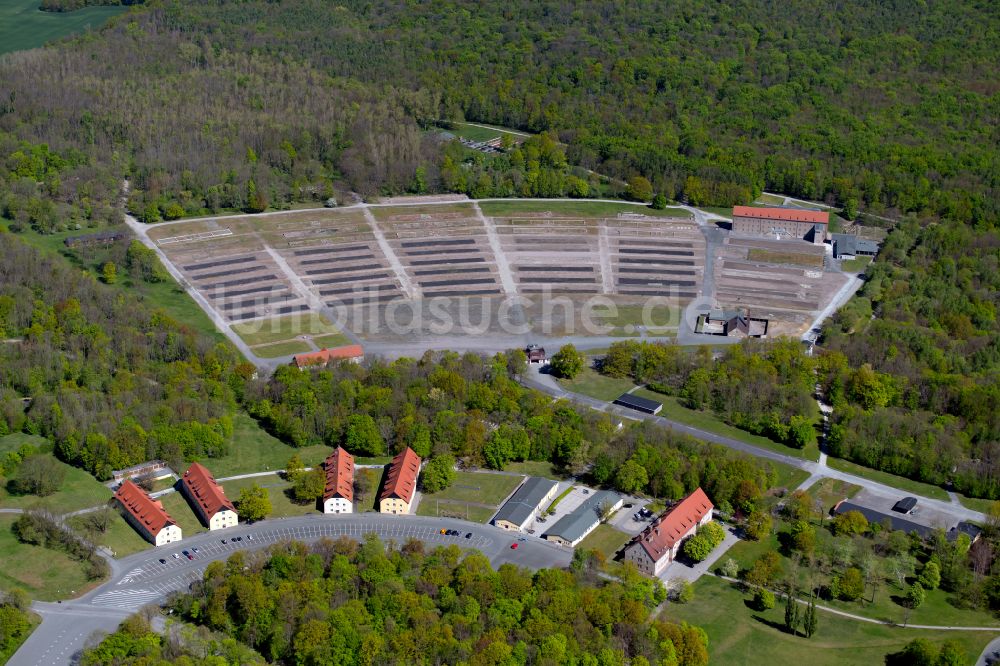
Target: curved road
141	579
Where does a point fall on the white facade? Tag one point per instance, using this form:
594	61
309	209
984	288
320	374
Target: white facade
169	534
223	519
337	505
642	560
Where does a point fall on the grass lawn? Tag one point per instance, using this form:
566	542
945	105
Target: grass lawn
255	450
787	476
281	504
625	320
46	575
481	487
120	537
796	258
181	511
33	622
672	409
724	212
902	483
586	209
831	491
473	133
552	507
856	265
79	490
278	329
770	200
976	504
276	349
366	501
432	507
739	635
535	468
606	540
15	440
592	383
24	26
332	341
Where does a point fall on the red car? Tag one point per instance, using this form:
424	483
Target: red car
513	546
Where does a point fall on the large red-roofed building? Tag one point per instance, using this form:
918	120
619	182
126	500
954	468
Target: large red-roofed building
657	545
323	356
400	483
810	225
338	496
207	498
147	515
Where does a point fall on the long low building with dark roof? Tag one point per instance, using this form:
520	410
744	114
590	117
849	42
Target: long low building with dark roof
875	516
518	511
572	528
147	515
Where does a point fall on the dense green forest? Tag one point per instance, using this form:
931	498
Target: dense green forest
340	602
916	387
227	104
110	381
447	404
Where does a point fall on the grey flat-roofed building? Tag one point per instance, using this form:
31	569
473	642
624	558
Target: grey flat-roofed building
879	517
640	404
849	245
526	501
574	526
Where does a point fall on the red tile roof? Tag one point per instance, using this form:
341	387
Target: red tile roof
324	356
148	512
339	475
789	214
671	527
402	478
205	491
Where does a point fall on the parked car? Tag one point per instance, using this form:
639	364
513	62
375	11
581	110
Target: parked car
176	556
513	546
224	541
194	550
468	535
162	561
443	531
249	537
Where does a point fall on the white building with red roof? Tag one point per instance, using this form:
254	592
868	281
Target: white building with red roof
657	545
207	498
338	496
147	515
400	483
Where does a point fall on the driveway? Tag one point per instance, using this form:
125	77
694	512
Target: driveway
678	571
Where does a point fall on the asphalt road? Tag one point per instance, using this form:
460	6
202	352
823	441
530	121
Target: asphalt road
141	579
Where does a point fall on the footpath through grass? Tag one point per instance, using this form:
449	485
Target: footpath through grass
739	635
900	482
24	26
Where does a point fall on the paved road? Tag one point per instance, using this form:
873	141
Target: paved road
543	382
141	579
991	654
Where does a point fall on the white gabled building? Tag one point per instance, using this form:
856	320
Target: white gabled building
657	545
338	496
208	499
147	515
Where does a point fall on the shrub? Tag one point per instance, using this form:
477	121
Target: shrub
763	599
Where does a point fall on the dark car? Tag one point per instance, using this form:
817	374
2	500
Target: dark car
162	561
249	537
237	538
468	535
194	550
223	541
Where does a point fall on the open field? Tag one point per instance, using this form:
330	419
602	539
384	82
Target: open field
177	506
739	635
976	504
462	510
79	490
475	133
831	491
772	257
46	575
24	26
366	501
281	504
278	349
481	487
672	409
255	450
120	537
592	383
284	328
770	200
925	489
788	477
606	540
856	265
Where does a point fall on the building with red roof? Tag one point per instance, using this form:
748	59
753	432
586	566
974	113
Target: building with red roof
147	515
783	223
338	496
400	484
657	545
323	356
207	498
